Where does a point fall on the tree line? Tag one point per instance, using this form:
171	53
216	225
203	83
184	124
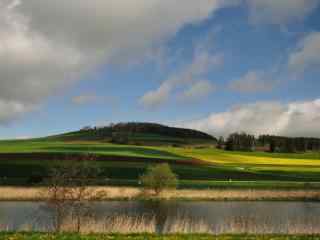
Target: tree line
290	145
269	143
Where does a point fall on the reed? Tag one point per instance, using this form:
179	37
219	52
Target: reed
130	193
186	225
181	224
124	224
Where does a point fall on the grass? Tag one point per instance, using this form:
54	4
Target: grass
28	146
301	166
185	226
143	138
132	193
46	236
220	168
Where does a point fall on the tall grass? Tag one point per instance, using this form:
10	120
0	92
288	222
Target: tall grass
31	194
126	224
122	224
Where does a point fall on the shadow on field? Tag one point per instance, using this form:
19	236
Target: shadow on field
136	151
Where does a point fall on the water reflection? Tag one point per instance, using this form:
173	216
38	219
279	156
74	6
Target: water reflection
168	216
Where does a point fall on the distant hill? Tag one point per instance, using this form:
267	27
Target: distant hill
139	134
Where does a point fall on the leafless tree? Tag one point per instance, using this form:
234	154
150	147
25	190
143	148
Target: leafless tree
70	191
82	194
57	195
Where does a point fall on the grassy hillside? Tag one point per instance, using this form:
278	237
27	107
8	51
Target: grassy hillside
23	160
191	154
100	148
138	134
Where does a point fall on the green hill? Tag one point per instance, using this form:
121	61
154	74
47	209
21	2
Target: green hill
138	134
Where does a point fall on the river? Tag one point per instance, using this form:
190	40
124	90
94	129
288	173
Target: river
180	216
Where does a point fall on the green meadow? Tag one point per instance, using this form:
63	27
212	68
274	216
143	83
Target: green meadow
196	166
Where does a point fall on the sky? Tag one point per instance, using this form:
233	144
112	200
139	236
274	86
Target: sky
219	66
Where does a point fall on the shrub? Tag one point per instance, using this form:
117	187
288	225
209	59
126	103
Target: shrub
159	177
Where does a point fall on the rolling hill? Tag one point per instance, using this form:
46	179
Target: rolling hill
191	154
138	134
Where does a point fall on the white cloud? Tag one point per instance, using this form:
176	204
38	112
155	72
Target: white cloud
155	98
307	53
23	137
292	119
91	98
198	90
46	45
279	12
85	99
11	110
31	66
252	82
201	64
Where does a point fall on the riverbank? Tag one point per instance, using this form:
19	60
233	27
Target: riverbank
131	193
44	236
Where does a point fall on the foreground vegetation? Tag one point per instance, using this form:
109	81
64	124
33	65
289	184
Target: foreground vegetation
133	193
46	236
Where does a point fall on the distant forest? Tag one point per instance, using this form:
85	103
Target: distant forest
120	132
268	143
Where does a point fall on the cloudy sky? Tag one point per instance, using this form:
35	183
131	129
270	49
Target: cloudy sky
215	65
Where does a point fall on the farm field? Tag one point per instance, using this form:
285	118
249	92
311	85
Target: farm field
196	166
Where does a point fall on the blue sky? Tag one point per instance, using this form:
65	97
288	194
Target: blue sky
250	66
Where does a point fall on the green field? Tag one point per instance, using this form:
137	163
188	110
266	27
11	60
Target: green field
216	168
43	236
142	138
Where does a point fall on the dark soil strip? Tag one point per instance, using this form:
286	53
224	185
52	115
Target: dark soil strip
78	156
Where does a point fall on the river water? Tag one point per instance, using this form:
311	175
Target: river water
170	216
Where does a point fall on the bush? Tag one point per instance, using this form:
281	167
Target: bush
159	177
35	179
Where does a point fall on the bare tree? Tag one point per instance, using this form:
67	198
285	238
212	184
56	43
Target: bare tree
57	195
70	193
84	173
